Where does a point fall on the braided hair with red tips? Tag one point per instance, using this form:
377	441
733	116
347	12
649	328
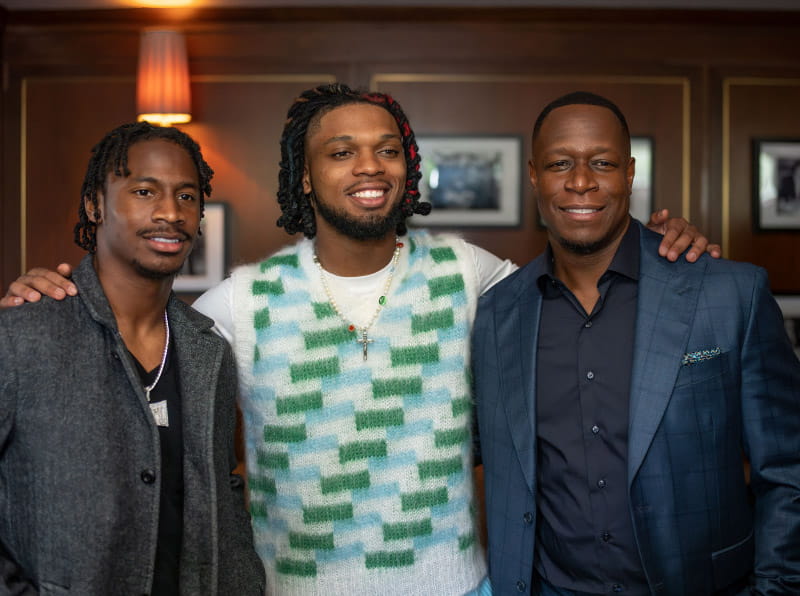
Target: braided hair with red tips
305	113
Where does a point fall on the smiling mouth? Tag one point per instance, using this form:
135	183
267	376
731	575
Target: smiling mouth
582	210
368	194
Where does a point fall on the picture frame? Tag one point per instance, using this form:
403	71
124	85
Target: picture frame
206	265
643	150
776	184
471	180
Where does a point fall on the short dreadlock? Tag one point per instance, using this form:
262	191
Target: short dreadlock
111	155
297	211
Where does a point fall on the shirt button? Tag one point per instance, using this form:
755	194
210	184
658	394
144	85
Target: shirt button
595	429
606	536
148	476
115	356
588	324
521	586
590	375
528	517
601	483
617	588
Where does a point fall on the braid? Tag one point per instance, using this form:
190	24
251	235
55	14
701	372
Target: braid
297	211
111	155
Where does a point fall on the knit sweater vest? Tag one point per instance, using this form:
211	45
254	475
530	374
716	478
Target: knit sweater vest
360	472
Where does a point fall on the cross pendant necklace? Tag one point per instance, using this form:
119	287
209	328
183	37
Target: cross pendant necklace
364	341
362	336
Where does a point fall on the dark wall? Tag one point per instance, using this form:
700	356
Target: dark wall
700	84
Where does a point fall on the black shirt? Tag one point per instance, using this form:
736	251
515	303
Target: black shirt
585	538
170	518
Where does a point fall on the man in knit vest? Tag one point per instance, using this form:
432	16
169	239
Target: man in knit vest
353	354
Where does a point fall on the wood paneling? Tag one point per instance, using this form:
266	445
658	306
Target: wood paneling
70	78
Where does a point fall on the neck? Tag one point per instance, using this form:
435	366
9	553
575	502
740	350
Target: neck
347	257
138	305
581	273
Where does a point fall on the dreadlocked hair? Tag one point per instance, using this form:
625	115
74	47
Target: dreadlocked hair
307	109
111	155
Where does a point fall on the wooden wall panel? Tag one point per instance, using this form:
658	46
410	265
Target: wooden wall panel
757	107
62	119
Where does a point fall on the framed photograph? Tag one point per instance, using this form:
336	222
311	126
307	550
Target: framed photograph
206	265
776	184
471	180
642	191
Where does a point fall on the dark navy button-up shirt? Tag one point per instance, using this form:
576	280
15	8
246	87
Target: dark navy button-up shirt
585	538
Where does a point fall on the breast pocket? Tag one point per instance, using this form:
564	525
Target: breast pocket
701	395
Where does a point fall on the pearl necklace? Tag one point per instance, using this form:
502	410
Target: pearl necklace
362	336
149	388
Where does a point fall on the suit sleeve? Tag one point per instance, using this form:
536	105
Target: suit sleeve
771	426
12	578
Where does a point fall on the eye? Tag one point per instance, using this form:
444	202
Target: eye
604	164
390	152
142	192
558	165
185	196
343	154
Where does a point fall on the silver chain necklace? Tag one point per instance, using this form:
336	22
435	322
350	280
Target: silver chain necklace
149	388
362	336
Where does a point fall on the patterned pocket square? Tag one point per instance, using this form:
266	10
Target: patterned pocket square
700	356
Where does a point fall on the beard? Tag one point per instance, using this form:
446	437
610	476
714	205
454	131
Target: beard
592	246
359	228
158	274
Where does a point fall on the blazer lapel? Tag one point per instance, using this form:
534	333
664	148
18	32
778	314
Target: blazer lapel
517	337
668	294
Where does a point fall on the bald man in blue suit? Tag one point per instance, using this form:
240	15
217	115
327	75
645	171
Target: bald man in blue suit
617	394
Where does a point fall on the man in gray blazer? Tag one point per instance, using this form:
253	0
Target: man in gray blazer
617	392
117	406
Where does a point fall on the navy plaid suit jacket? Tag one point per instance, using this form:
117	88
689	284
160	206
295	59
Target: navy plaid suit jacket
697	527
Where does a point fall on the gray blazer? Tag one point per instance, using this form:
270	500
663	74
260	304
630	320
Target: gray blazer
76	441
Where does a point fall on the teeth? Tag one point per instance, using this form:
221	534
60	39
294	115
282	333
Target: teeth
581	211
368	194
167	240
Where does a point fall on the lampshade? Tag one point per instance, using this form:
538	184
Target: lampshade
162	84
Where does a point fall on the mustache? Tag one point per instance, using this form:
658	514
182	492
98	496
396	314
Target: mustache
167	232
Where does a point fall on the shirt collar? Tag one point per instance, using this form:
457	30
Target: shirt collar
625	261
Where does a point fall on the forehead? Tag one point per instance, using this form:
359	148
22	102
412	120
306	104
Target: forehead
354	120
581	123
160	158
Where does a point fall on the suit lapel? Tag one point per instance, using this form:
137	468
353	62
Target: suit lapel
517	338
667	301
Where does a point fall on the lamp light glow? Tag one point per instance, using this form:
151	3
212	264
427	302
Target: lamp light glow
162	83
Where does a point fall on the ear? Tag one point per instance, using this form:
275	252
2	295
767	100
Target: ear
306	180
630	171
532	173
95	215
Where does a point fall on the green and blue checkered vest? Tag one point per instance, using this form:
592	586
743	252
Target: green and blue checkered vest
360	472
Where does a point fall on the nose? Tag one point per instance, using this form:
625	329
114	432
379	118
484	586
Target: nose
581	179
369	164
168	209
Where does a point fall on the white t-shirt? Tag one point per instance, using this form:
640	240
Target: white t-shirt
355	296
